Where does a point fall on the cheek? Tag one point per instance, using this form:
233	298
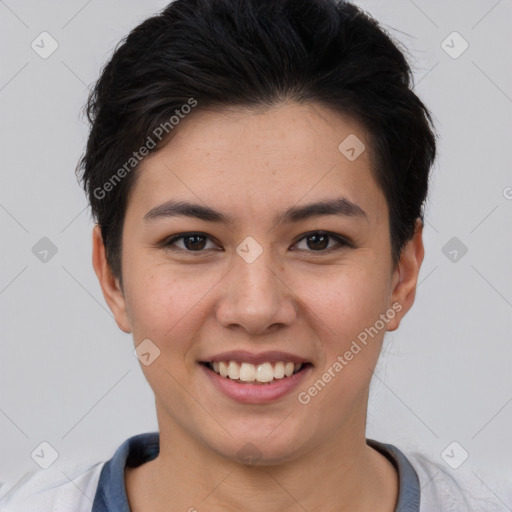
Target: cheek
164	304
347	307
348	300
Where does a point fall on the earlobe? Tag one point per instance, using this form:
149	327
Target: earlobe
109	283
406	276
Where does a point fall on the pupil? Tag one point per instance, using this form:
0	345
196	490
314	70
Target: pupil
320	238
195	244
316	241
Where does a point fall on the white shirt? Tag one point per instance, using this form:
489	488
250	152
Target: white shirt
424	486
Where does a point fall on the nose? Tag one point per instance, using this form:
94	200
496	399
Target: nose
255	296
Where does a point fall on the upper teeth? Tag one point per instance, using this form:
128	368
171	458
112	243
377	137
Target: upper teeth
248	372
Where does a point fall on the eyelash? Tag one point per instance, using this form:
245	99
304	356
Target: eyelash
343	242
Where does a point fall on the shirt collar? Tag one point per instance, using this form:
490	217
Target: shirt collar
408	481
111	491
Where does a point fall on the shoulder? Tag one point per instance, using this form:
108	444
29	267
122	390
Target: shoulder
61	488
447	490
66	487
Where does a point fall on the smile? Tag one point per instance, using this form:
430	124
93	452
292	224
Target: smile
263	373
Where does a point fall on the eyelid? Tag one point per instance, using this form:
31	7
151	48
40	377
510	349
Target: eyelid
340	239
168	243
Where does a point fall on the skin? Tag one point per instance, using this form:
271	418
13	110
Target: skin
293	297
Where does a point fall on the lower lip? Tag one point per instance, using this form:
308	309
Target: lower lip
256	393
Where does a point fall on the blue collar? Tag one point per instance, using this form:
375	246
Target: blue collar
111	491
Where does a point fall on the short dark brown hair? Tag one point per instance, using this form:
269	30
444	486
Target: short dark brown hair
255	53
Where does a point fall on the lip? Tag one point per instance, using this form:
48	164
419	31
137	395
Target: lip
243	356
256	393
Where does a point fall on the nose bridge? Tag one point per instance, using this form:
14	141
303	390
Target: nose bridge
255	297
254	276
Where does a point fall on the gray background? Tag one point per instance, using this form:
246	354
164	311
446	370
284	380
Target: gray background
68	375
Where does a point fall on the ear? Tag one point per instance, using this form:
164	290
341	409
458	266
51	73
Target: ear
405	276
110	285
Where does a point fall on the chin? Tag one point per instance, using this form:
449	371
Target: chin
259	449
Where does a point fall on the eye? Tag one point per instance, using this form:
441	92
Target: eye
318	241
192	242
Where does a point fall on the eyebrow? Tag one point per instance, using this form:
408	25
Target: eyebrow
340	206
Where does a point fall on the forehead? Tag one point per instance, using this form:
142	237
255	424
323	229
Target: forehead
262	160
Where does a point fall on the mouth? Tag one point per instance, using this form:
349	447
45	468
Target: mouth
264	373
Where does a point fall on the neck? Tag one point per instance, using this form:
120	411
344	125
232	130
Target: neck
343	473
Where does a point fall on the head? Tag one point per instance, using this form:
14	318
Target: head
255	110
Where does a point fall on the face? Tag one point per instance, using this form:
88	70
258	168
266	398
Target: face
258	276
